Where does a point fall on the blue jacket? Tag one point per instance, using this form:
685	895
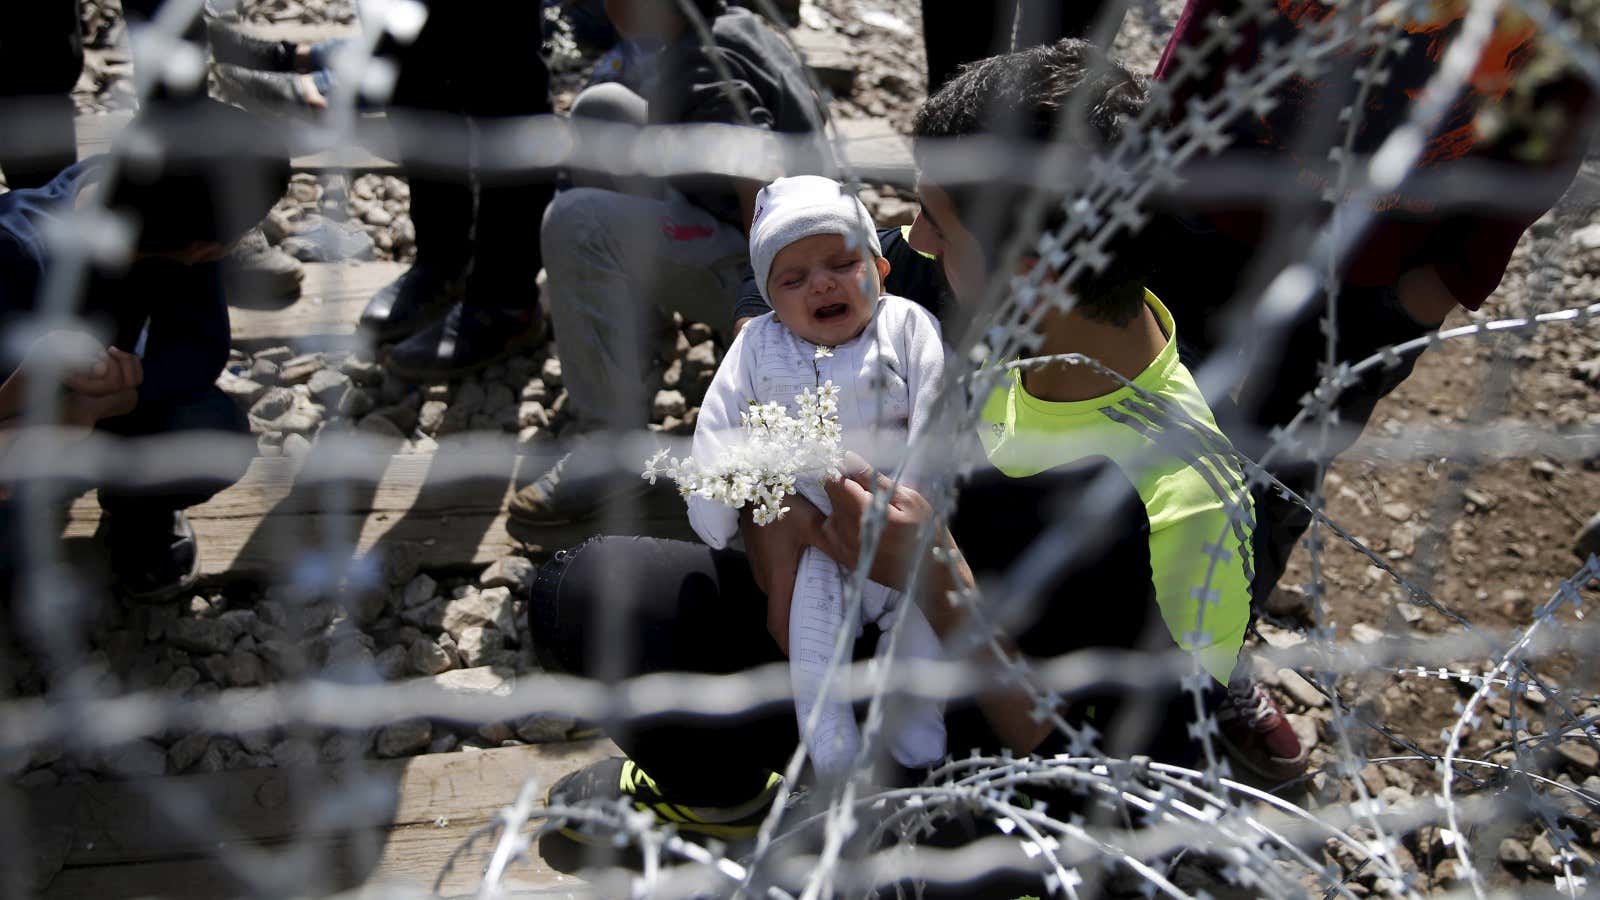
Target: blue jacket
187	343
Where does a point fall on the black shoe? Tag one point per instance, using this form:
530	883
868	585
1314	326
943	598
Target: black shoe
579	486
603	783
258	275
410	303
154	558
466	340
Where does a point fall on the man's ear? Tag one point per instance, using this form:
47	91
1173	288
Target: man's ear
883	268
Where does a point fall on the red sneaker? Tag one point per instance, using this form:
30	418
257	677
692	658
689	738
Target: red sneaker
1258	736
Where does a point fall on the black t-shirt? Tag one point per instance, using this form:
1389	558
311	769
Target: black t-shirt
1083	528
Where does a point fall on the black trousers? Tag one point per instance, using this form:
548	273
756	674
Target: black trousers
957	33
140	511
41	56
209	411
619	607
475	62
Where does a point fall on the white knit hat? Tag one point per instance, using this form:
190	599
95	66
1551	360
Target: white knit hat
793	208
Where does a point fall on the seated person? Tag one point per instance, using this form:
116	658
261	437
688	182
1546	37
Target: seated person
619	261
1127	498
217	176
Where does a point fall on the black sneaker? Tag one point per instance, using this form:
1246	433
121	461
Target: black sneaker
610	780
153	560
401	308
466	340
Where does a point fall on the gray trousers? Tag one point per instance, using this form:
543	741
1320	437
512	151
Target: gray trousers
617	262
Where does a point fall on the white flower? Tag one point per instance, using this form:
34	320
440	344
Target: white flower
653	466
823	352
777	449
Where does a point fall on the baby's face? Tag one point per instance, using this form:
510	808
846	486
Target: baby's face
824	291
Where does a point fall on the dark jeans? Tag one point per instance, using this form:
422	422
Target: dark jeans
41	55
474	63
140	512
959	33
1198	280
209	411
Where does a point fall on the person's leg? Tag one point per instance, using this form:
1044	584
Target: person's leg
616	263
612	257
914	725
1368	319
601	114
955	34
620	607
41	56
231	46
153	551
816	614
426	100
496	75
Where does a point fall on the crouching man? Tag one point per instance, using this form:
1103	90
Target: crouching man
202	176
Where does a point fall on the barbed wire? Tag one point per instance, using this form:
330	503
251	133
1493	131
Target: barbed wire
1134	826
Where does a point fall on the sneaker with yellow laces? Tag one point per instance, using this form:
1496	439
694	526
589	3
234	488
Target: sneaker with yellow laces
609	780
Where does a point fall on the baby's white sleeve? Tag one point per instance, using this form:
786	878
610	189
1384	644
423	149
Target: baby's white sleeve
731	392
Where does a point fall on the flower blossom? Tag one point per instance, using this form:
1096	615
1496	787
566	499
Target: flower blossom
761	470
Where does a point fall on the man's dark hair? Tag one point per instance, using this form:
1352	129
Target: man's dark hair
1026	96
197	171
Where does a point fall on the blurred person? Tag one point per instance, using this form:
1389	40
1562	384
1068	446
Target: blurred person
1419	260
218	174
41	57
621	258
93	383
254	271
956	34
469	299
1144	485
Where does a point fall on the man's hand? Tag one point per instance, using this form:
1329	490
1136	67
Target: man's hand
774	551
84	411
851	496
114	372
85	370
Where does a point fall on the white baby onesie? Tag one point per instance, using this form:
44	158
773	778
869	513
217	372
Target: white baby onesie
888	377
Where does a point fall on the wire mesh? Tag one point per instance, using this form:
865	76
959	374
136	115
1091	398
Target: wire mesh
1455	739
